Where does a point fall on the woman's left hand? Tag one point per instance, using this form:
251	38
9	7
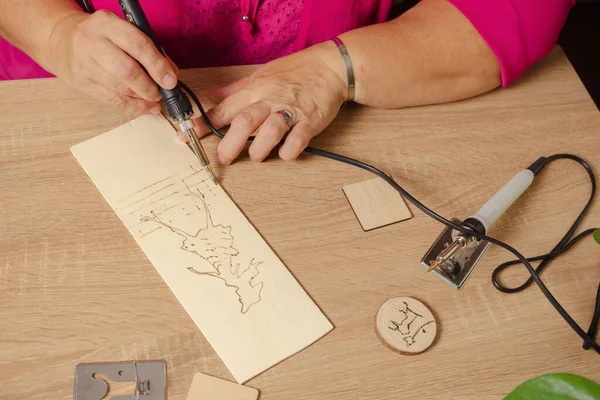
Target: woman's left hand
301	93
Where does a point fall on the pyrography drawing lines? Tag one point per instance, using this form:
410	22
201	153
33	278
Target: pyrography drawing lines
149	199
142	201
212	243
408	332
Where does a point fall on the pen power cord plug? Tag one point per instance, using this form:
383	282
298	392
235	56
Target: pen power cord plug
566	243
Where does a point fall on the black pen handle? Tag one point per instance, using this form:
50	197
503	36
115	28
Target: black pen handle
135	14
176	103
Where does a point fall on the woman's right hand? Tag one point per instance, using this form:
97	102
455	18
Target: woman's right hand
98	54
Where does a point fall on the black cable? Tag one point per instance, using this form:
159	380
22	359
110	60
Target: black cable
546	257
563	245
88	6
595	320
564	242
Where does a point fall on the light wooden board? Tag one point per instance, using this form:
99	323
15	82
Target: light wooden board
205	387
244	300
376	203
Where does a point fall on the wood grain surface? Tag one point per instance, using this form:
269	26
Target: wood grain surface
246	303
75	287
206	387
376	203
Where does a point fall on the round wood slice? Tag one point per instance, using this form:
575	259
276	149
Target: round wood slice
405	325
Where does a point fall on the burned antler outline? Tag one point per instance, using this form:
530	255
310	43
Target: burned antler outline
157	219
235	270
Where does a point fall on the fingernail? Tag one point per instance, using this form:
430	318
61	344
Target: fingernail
169	81
222	161
155	110
286	153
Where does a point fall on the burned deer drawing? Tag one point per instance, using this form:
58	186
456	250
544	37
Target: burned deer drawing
410	326
215	245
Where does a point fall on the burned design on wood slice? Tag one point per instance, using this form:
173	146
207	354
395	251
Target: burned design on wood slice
405	325
410	326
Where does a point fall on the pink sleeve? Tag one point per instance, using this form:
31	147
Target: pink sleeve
519	32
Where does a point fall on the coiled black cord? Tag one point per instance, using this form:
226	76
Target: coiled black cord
564	245
567	242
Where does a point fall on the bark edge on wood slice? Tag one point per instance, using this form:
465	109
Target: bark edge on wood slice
405	325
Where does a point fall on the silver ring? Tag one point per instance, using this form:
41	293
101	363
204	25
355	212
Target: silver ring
287	116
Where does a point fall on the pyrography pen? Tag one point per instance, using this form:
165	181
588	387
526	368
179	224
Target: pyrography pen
483	220
175	101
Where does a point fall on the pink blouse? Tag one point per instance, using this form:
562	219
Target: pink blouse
235	32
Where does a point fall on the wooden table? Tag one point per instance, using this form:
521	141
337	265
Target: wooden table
74	286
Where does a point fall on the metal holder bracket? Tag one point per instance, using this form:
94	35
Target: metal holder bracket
149	377
459	267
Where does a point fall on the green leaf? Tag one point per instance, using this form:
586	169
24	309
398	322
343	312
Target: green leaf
597	235
560	386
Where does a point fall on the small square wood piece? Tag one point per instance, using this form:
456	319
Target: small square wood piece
205	387
376	203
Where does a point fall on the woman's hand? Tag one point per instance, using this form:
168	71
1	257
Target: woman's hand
301	93
98	54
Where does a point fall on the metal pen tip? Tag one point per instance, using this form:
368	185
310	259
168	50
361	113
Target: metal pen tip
434	265
200	153
451	249
211	174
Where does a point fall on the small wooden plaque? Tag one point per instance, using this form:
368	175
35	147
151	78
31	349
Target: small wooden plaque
376	203
405	325
205	387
